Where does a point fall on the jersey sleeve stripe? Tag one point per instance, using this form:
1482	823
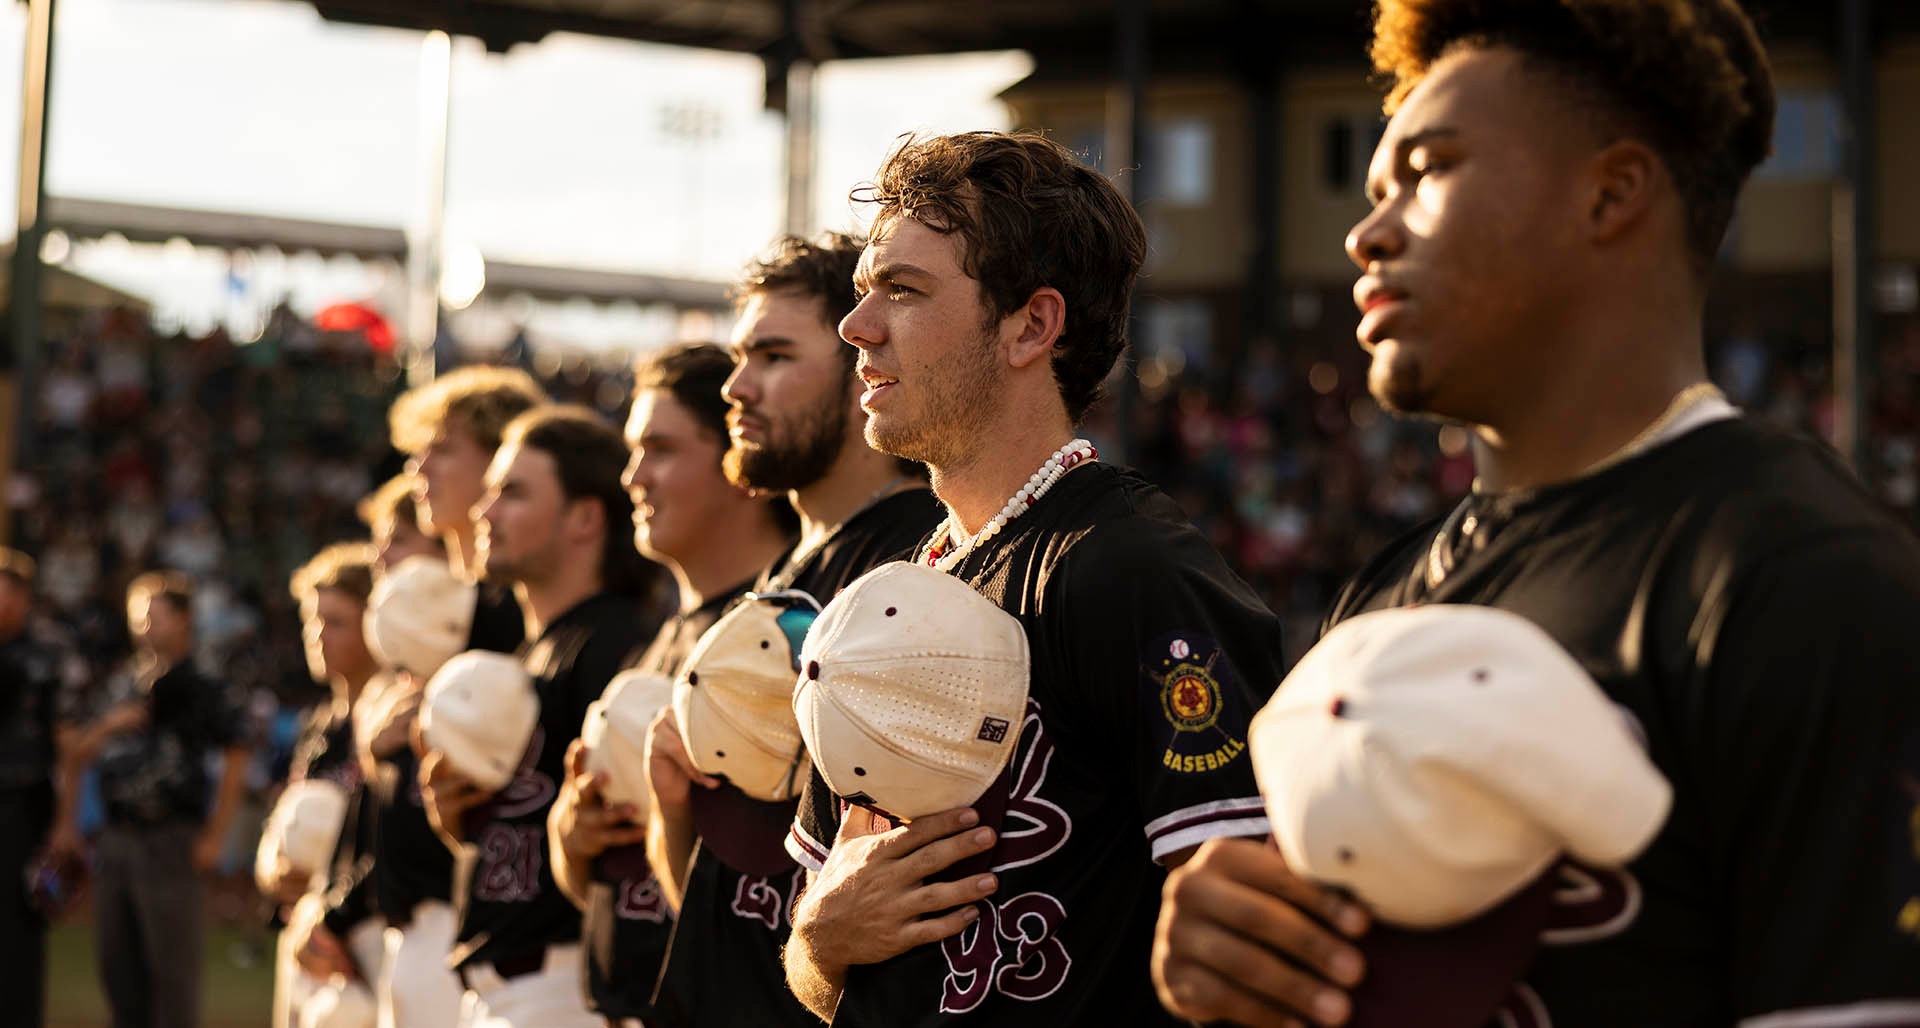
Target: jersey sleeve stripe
804	850
1878	1013
1201	813
1238	828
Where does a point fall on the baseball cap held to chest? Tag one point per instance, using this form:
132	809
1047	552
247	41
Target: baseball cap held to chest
480	710
733	703
912	692
1439	763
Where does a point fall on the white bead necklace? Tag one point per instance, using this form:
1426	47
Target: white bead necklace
1064	459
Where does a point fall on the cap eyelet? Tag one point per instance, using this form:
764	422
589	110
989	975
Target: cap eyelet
891	611
1344	855
860	771
693	678
1339	708
1481	676
720	753
813	670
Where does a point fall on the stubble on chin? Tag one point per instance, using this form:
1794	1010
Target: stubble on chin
1398	382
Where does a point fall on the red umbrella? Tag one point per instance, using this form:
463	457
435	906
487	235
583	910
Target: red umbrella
357	317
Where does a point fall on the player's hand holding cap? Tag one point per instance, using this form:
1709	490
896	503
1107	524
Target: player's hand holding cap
1438	762
419	615
912	691
479	711
733	701
301	830
615	733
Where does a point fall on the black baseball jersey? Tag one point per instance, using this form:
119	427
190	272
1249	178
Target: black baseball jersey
1149	658
411	864
324	749
509	905
726	949
1747	603
36	696
498	624
628	923
157	775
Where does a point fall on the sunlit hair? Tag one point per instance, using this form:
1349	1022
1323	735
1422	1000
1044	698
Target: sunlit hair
1029	215
1687	77
18	566
343	567
390	505
477	400
171	586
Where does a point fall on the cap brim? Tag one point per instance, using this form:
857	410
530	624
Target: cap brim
747	835
1454	977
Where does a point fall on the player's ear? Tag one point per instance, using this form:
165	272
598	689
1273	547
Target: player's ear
587	517
1036	326
1622	180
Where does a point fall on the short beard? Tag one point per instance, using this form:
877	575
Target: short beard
967	398
797	452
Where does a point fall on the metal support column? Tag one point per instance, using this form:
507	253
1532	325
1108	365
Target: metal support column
1853	239
1125	135
426	232
17	385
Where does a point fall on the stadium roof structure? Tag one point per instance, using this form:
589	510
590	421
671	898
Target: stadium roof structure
1057	32
823	30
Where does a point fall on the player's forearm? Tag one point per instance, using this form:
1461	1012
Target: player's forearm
571	874
816	985
69	767
670	841
233	782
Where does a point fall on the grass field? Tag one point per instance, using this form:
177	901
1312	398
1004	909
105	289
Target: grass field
234	996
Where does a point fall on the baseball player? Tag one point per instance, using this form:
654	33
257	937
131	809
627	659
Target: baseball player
1549	197
795	428
715	538
993	302
450	428
412	874
331	590
554	523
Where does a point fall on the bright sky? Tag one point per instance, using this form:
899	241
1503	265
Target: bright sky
560	152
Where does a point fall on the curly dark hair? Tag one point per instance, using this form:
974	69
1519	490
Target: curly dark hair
1029	214
1689	77
820	267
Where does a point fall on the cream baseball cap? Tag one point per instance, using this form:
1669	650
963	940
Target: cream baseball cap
733	701
419	614
1442	764
480	710
615	733
339	1003
301	830
1433	760
913	690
